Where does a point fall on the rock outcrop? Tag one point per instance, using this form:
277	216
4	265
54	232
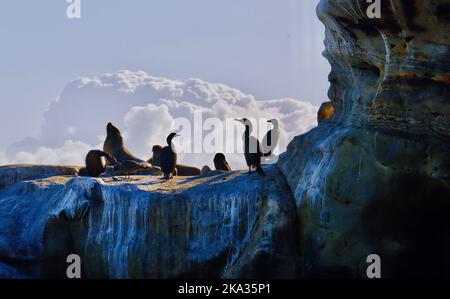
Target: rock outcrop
223	225
375	179
372	179
12	174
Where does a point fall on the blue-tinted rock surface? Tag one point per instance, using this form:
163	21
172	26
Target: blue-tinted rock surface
375	179
227	225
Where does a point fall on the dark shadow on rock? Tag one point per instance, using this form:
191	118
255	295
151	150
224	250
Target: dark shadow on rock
410	228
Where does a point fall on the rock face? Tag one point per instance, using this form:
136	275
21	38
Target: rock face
228	225
12	174
375	179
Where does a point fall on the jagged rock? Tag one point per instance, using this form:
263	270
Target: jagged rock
11	174
375	179
229	225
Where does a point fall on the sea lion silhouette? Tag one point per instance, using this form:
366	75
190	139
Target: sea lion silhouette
220	163
115	147
96	161
206	169
130	167
326	111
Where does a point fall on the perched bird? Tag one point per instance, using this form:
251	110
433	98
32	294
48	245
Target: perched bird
96	161
220	163
180	169
129	167
252	148
168	158
270	141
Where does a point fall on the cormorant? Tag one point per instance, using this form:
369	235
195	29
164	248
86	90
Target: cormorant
252	148
168	158
180	169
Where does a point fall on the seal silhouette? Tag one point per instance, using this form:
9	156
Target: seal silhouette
326	111
220	163
96	161
130	167
114	145
206	169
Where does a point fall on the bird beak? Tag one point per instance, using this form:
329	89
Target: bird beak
177	135
239	120
269	121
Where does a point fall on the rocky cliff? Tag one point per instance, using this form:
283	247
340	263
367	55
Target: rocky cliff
376	177
222	225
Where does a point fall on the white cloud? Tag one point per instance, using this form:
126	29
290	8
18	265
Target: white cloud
144	108
145	126
71	153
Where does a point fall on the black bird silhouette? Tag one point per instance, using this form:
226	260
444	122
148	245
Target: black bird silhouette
169	158
252	148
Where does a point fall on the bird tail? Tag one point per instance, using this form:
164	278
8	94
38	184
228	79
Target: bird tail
268	154
265	150
260	171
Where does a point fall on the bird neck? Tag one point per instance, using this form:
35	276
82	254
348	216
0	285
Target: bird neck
246	137
169	142
248	130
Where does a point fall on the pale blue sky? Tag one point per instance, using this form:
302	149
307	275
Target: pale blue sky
267	48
